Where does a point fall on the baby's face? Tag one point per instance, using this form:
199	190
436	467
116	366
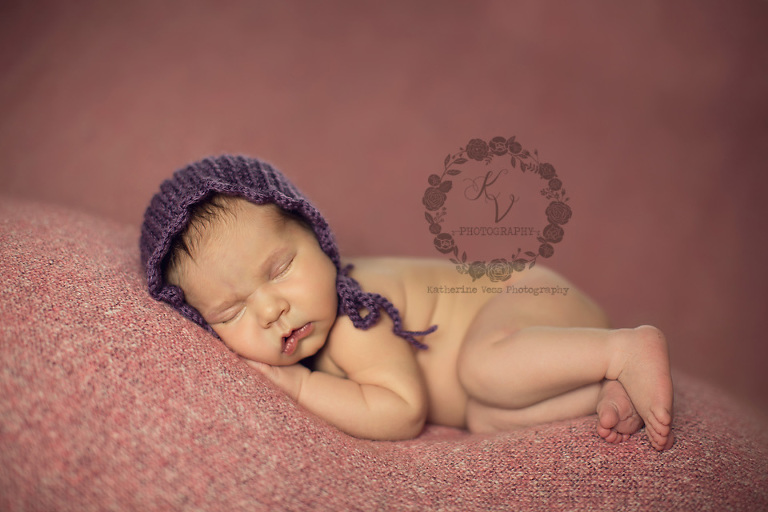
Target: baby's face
263	283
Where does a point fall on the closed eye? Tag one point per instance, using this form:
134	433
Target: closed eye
283	269
234	317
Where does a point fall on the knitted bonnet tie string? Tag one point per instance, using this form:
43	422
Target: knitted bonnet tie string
353	298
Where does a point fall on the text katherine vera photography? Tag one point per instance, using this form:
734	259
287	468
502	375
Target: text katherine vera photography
532	290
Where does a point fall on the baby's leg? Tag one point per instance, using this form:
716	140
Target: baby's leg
617	418
485	419
534	364
512	359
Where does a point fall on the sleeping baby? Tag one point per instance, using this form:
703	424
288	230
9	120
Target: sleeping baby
235	247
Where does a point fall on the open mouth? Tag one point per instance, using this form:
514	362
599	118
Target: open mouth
291	342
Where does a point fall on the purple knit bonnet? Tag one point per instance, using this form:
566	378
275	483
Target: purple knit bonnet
168	215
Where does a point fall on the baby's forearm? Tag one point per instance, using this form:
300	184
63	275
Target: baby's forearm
362	410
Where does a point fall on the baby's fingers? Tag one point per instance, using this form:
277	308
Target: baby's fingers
288	378
263	368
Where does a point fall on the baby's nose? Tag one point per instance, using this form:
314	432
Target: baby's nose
270	308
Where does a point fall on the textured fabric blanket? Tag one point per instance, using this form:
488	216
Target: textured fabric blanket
111	401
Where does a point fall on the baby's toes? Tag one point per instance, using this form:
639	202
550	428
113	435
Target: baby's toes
659	440
630	425
670	441
608	435
660	423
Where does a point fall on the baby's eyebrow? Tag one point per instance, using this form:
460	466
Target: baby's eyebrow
272	259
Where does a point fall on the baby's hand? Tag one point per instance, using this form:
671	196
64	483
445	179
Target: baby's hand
288	378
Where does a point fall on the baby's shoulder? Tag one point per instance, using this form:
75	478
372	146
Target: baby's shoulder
350	349
379	275
394	277
406	282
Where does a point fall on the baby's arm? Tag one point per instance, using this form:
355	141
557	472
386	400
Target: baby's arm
383	396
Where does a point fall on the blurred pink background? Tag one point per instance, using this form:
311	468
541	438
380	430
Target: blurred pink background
655	115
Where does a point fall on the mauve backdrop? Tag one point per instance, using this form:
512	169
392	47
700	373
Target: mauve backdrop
654	113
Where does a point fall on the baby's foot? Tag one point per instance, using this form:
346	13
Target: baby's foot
645	374
617	418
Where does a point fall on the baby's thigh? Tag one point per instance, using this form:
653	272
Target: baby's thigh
539	298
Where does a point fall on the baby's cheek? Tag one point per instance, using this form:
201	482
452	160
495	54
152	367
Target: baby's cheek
232	341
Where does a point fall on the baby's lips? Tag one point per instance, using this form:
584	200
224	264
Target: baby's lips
291	342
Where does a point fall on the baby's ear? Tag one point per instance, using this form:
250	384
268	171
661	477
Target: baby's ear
173	273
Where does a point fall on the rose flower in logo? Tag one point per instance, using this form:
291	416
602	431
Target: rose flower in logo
477	270
444	243
498	146
558	212
518	265
546	250
498	270
553	233
433	198
477	149
513	146
547	171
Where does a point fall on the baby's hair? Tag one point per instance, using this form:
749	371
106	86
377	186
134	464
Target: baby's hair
203	215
